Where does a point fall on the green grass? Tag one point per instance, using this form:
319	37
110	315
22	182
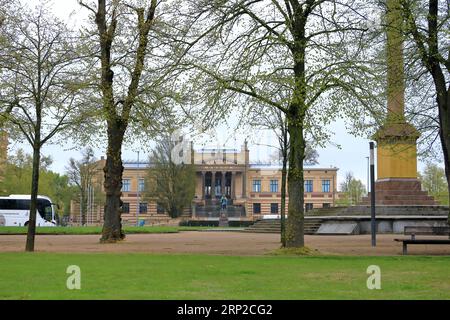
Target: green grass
97	230
146	276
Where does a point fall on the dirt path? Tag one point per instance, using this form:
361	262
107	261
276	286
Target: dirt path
223	243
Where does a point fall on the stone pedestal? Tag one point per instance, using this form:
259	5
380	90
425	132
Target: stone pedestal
223	220
400	192
397	182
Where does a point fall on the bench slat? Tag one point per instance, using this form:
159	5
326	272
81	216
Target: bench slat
420	241
426	241
426	230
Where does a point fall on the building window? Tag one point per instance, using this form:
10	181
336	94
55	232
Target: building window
308	186
325	185
141	185
256	185
309	206
126	185
326	205
273	185
159	208
143	207
274	208
257	208
125	207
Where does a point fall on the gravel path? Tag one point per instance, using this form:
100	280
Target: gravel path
222	243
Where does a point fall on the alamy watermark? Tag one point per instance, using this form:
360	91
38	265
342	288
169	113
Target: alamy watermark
374	279
74	280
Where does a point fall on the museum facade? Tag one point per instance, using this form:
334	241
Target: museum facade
252	190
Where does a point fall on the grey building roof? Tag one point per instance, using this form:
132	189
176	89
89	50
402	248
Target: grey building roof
145	164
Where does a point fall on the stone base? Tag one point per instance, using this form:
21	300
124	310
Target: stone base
400	192
223	221
344	228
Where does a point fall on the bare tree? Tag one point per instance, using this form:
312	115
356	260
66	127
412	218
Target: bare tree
274	120
308	59
352	188
6	12
81	173
131	39
41	75
170	184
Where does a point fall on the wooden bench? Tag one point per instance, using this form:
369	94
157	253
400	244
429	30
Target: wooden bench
428	231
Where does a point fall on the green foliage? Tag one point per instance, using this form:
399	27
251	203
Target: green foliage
353	191
17	180
170	184
433	180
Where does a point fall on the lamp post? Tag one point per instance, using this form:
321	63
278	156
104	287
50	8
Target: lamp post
373	224
137	193
368	176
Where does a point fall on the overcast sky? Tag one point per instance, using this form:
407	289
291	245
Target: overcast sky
350	157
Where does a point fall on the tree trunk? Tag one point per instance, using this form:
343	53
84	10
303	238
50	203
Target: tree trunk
443	92
295	221
296	118
444	134
34	193
83	207
283	189
112	227
443	102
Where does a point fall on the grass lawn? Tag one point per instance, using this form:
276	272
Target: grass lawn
97	230
147	276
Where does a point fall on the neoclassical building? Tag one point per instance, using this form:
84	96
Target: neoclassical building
252	190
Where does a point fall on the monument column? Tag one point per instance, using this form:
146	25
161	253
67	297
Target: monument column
396	139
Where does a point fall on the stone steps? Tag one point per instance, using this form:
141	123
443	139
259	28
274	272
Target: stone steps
400	192
364	209
400	201
274	226
214	211
389	196
325	211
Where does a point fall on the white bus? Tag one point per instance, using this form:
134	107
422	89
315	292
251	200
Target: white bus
15	211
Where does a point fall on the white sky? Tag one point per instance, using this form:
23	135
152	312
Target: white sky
351	156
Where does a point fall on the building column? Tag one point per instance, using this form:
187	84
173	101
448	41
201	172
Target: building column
244	185
203	184
233	185
193	211
222	183
213	185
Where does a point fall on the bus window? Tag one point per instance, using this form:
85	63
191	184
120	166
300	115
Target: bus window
48	213
45	209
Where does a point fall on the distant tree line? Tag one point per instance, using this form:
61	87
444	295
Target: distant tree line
17	180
